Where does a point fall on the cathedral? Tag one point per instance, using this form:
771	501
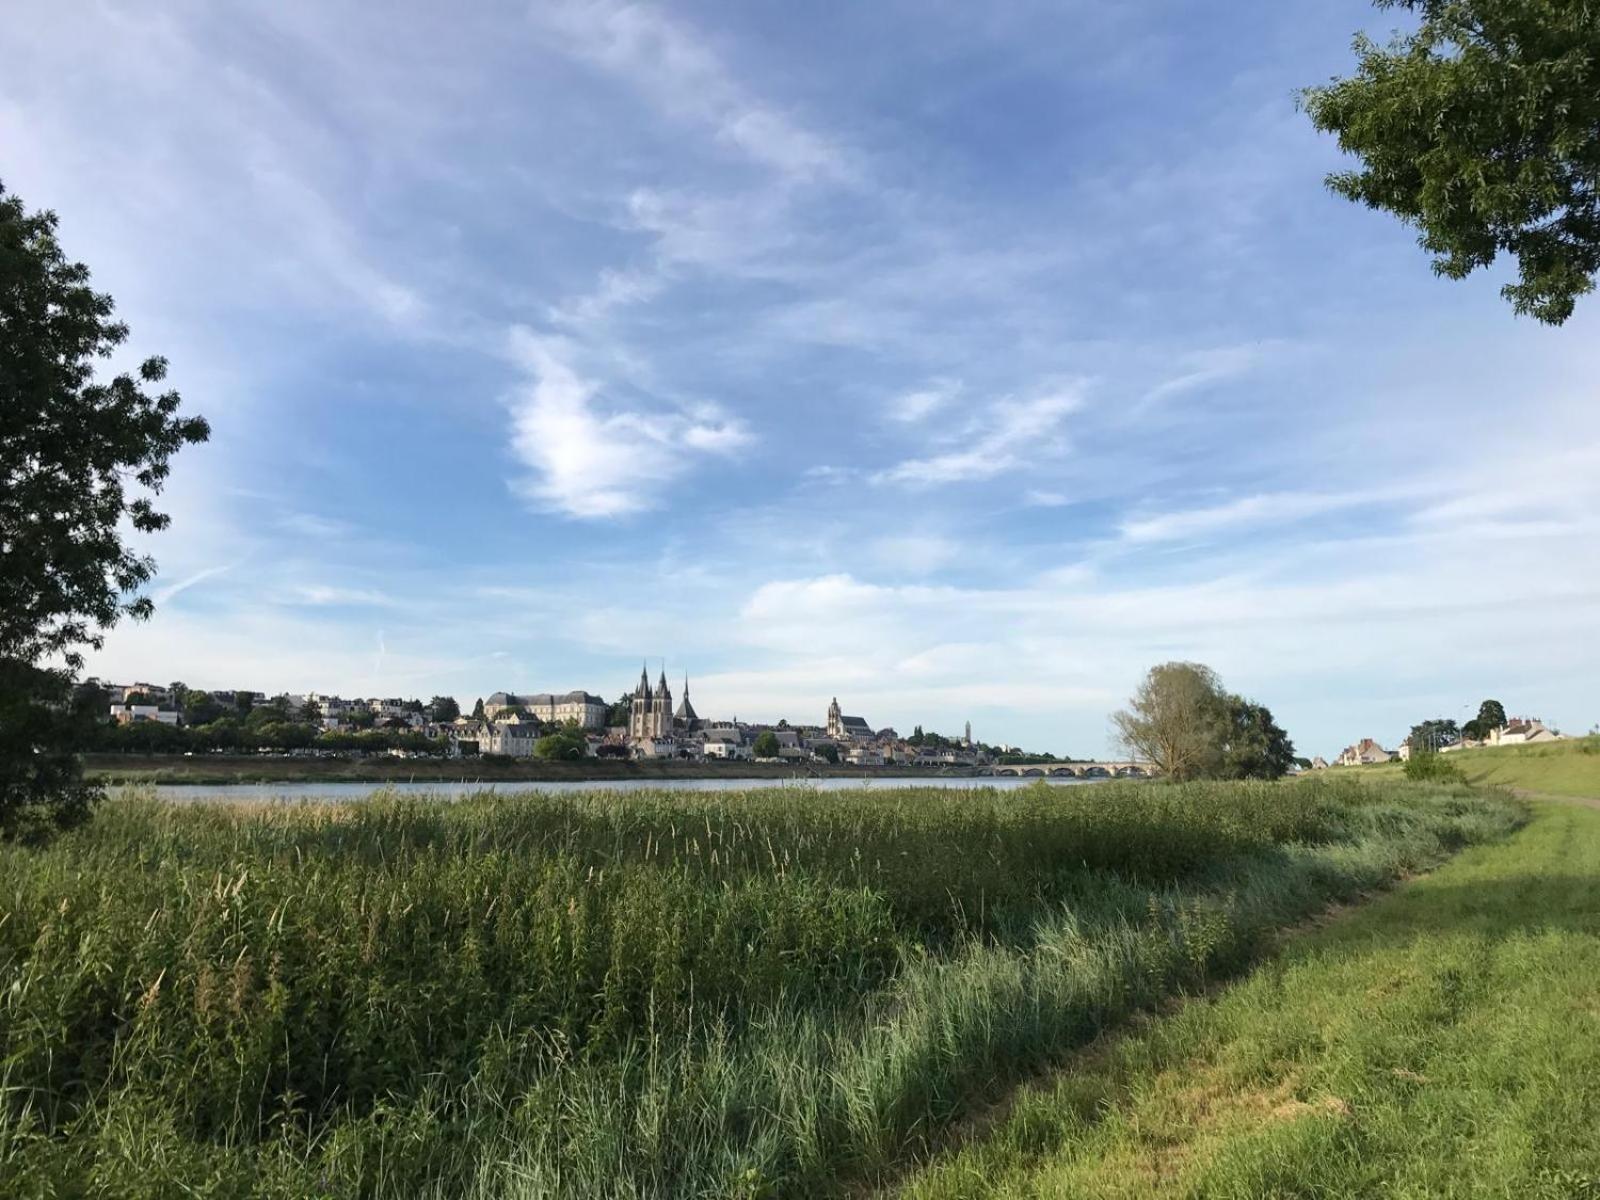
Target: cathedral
650	712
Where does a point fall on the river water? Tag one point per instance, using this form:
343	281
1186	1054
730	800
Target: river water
358	791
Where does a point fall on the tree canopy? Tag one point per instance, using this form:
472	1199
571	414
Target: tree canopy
1182	720
81	460
1434	734
766	745
1482	129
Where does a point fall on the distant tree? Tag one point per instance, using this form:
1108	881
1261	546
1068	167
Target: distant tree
620	712
1482	129
1254	746
477	710
91	696
1433	735
200	709
80	462
444	708
1177	720
766	745
828	751
1491	715
565	742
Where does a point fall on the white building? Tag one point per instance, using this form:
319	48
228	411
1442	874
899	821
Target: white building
128	714
587	710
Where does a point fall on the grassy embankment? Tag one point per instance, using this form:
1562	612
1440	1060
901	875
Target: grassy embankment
1442	1041
217	769
648	995
1566	768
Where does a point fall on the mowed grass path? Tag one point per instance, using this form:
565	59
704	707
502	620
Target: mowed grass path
1441	1041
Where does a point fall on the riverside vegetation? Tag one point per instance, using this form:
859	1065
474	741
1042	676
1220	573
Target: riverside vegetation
741	994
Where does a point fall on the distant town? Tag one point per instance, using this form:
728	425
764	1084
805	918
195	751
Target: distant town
647	722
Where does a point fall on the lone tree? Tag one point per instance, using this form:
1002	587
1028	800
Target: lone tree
1482	129
1175	720
1184	722
1491	715
766	745
78	457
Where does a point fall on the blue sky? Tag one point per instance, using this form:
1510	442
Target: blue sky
959	360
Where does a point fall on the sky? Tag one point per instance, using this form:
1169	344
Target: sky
961	361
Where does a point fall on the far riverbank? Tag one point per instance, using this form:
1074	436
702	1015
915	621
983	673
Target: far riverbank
219	769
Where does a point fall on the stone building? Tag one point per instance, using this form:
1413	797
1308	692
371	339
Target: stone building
650	710
845	729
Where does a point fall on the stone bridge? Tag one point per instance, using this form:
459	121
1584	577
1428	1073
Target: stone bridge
1073	770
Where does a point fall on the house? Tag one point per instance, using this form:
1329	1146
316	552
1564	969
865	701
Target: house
514	739
725	742
864	756
1363	753
1319	763
1522	731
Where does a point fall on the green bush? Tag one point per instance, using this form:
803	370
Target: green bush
1431	766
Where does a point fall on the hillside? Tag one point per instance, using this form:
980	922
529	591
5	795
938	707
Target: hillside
1566	768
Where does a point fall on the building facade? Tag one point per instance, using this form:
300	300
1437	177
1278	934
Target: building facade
587	710
846	729
650	710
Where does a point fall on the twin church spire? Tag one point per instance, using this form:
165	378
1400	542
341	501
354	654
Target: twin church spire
650	712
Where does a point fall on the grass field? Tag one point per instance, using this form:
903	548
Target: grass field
770	993
1566	768
1441	1041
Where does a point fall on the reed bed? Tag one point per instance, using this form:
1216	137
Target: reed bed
667	994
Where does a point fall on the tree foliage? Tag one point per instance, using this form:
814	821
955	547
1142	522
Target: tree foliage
1491	715
1434	734
766	745
1175	719
81	460
1255	747
565	742
1482	129
1182	720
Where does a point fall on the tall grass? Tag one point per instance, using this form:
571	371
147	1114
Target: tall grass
660	995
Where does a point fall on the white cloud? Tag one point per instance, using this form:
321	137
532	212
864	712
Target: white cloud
913	406
1042	498
1205	368
591	461
1006	435
1265	508
679	73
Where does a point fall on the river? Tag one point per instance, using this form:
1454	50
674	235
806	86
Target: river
358	791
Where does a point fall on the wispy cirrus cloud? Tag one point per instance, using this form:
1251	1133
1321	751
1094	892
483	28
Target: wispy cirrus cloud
678	72
999	438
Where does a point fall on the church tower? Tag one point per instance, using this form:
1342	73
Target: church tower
835	719
662	713
640	710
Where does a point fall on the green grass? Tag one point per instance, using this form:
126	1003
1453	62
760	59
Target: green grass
1566	768
767	993
1442	1041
